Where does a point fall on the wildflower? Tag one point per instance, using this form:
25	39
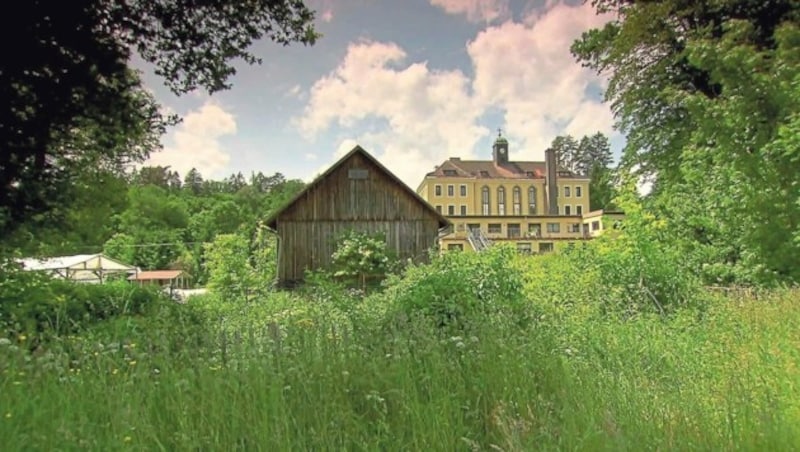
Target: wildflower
22	337
114	371
8	415
128	439
4	341
132	363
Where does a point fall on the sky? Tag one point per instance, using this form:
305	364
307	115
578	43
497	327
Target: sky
414	82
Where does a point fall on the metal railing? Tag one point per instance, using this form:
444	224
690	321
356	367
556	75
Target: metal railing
478	240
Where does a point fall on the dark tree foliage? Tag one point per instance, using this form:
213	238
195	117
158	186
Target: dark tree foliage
70	100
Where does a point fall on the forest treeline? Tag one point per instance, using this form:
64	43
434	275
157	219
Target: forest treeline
154	218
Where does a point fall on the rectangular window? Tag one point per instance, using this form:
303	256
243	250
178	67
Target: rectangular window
567	209
455	247
535	229
451	190
545	247
451	210
595	225
495	228
529	174
575	227
450	172
484	173
463	190
437	190
439	209
473	226
463	210
578	193
514	231
578	210
524	248
566	192
356	173
553	227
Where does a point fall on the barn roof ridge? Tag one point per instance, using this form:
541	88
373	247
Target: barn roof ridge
271	220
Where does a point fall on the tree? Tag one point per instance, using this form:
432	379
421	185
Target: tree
71	101
591	156
193	181
706	92
566	148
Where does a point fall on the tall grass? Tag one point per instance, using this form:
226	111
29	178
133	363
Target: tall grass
331	376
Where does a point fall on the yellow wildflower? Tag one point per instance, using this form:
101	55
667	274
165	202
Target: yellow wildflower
128	439
132	363
8	415
22	337
114	371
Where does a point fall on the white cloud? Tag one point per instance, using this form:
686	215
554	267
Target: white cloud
412	117
295	91
195	142
476	10
310	157
324	9
430	113
527	70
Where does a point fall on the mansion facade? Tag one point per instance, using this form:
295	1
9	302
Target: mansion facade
536	205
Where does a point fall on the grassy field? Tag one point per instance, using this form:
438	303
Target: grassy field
327	369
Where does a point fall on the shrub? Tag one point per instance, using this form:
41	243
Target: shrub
31	304
362	260
458	288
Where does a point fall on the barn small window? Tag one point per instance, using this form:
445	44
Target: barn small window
356	173
450	172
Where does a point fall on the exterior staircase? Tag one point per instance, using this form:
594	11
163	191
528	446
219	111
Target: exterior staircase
478	240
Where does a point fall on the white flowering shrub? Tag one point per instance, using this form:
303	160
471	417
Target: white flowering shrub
361	259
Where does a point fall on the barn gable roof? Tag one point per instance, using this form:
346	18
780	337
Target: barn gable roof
272	219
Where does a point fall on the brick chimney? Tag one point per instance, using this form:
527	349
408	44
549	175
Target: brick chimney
551	162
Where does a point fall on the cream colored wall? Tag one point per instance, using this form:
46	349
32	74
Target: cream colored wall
472	200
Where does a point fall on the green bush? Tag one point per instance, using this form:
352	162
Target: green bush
33	305
458	288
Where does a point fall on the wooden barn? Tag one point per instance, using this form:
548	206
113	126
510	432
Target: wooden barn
356	193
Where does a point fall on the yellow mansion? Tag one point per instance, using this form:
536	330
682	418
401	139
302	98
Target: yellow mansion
535	205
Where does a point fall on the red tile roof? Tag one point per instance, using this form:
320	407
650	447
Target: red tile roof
156	275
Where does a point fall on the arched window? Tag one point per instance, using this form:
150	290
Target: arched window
501	201
486	200
532	200
516	201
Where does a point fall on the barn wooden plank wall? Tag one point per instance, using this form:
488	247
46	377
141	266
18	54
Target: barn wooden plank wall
356	195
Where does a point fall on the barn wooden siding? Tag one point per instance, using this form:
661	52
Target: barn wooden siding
356	195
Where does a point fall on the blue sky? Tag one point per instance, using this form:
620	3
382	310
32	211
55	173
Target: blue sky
413	82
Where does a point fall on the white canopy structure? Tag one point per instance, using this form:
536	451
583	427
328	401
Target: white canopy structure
87	268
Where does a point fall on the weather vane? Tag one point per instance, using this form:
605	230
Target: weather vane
499	132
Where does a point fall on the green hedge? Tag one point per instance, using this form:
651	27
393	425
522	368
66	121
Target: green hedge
34	306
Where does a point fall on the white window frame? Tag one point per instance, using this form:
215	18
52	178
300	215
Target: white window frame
437	190
453	207
462	190
451	189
